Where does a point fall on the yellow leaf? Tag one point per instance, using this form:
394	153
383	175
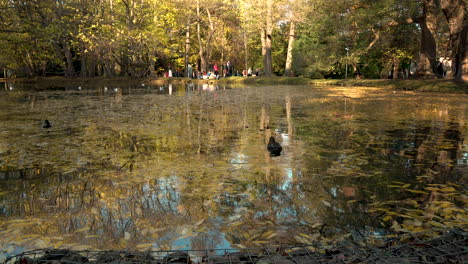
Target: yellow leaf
267	233
58	244
387	218
406	186
240	246
398	182
448	189
416	191
144	246
316	225
81	247
437	224
82	229
272	235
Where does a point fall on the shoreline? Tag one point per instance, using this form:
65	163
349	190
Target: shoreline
428	85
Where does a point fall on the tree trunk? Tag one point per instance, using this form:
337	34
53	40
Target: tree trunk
83	70
455	13
266	40
69	71
289	56
246	53
187	48
201	52
266	53
91	66
396	68
427	55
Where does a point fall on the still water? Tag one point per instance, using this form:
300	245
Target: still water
186	166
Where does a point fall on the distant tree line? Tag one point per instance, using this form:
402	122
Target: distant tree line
310	38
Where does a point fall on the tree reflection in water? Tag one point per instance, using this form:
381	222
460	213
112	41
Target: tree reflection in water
139	168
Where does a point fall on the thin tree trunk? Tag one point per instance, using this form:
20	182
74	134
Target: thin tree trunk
201	52
187	48
246	53
456	15
427	56
396	68
69	71
83	70
266	40
263	41
289	56
210	37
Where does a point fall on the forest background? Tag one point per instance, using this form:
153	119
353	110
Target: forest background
309	38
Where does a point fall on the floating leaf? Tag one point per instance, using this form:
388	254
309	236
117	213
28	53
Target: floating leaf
144	246
416	191
437	224
387	218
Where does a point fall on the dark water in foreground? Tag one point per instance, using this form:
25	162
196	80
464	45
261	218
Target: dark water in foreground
187	167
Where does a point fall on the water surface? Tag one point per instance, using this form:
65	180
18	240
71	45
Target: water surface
186	167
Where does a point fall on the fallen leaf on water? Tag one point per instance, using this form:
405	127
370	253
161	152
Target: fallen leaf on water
82	229
144	246
199	222
92	236
416	191
272	235
316	225
81	247
437	224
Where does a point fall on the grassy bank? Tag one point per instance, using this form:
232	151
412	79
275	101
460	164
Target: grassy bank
413	85
416	85
435	85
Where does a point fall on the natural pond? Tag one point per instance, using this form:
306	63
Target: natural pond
186	166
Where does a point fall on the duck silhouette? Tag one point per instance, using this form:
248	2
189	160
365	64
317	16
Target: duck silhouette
47	124
274	147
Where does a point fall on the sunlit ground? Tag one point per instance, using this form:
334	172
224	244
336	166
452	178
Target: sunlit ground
186	167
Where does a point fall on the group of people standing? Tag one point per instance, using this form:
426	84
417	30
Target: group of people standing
214	72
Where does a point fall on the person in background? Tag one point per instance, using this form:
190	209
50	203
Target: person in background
215	69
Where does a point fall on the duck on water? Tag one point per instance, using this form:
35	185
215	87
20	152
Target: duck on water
274	147
47	124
